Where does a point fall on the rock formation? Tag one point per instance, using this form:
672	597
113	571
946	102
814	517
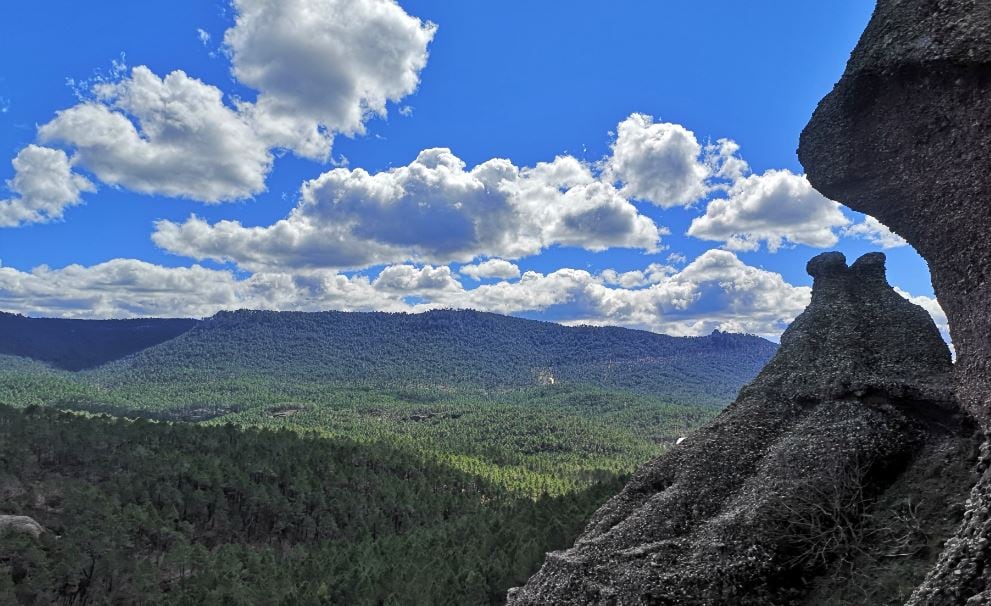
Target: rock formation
905	136
20	525
775	492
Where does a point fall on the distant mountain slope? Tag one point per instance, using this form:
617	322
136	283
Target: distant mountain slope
446	349
80	344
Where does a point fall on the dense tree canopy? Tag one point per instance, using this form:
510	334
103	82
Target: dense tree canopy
158	513
446	349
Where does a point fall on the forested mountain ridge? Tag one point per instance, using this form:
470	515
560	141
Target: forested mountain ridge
533	406
556	405
360	458
437	348
448	348
80	344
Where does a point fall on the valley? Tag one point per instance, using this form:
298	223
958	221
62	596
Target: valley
508	431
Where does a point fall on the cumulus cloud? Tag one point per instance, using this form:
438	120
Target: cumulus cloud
320	67
430	211
124	288
172	136
775	208
653	274
716	290
660	163
44	184
724	161
875	232
120	288
409	278
492	268
324	66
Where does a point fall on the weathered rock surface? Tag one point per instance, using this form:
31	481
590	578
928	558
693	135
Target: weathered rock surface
905	136
752	507
21	525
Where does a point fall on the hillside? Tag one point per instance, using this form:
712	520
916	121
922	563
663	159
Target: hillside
79	344
532	406
213	515
328	457
444	350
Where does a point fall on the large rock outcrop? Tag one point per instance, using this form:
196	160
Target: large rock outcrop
905	136
776	492
20	525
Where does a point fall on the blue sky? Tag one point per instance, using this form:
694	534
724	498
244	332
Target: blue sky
366	86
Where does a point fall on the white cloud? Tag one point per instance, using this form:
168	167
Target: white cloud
324	66
44	184
628	279
716	290
657	162
320	67
185	141
653	274
409	278
120	288
875	232
493	268
775	208
203	35
724	161
430	211
124	288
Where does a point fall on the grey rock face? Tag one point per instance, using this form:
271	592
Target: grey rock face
905	136
21	525
734	515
